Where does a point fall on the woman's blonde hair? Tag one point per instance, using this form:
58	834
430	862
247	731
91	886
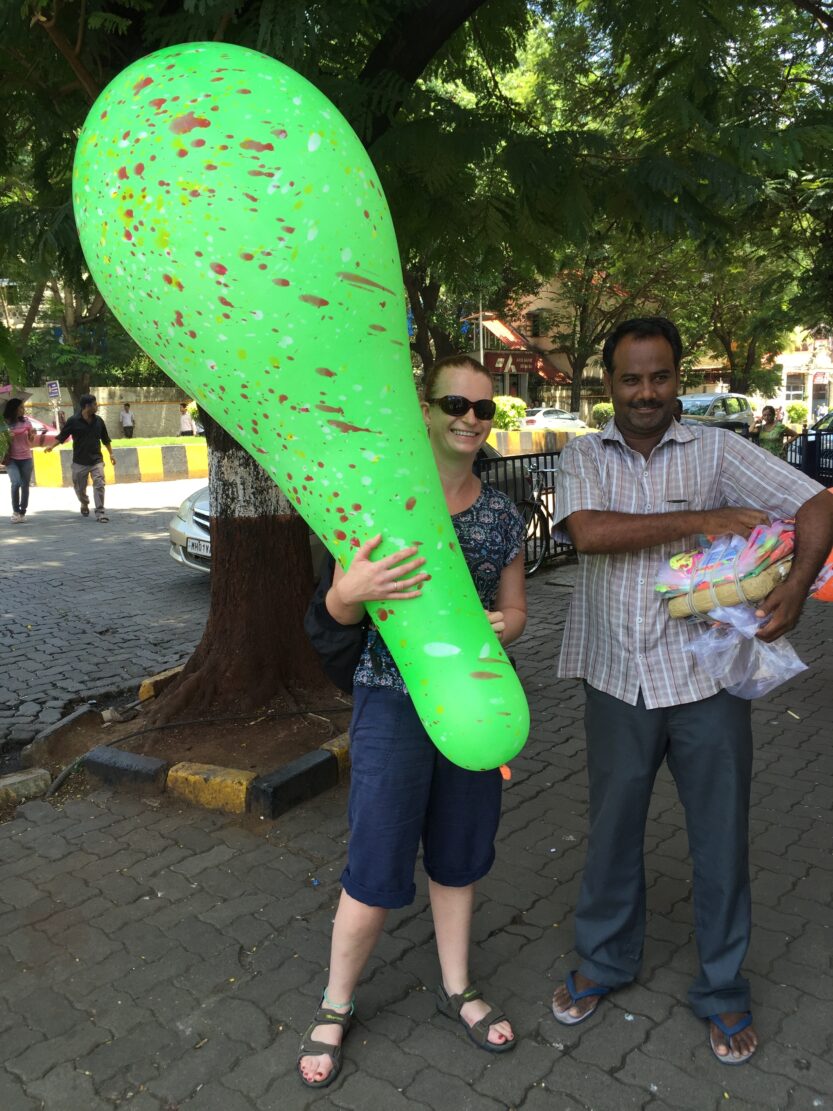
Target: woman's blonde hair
465	361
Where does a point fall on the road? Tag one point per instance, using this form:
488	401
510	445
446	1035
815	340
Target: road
86	607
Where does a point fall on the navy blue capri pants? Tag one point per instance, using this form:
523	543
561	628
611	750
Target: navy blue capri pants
402	790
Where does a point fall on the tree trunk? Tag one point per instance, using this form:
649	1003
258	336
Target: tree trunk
577	366
254	650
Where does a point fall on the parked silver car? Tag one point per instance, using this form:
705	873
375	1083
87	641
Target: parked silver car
722	410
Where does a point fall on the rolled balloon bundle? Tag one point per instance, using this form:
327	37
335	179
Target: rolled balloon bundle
236	227
728	570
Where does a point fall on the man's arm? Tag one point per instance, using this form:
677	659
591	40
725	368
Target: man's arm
813	542
105	439
63	435
601	531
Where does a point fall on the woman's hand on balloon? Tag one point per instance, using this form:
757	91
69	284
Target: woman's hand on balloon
498	623
391	578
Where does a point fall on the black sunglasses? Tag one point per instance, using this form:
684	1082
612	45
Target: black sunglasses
457	406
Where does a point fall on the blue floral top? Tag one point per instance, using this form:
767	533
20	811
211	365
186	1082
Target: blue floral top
491	533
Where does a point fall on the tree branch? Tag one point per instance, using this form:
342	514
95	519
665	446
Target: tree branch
62	43
823	17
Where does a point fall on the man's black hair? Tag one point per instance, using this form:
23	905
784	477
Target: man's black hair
642	327
84	400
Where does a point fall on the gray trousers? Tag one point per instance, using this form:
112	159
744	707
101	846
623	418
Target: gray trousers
80	472
708	746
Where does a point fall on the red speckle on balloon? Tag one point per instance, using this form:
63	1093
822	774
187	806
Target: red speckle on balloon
366	214
262	266
342	426
280	281
122	173
325	372
244	92
158	101
253	144
143	84
181	125
178	319
339	535
279	133
377	328
103	115
329	409
139	168
218	268
360	281
227	303
198	142
127	235
182	153
282	398
288	229
410	503
193	335
210	166
382	615
484	675
311	299
129	213
451	546
247	256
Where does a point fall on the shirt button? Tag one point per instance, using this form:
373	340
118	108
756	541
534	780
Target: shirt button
649	506
641	582
639	620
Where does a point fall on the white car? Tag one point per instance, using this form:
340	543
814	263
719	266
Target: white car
558	420
190	534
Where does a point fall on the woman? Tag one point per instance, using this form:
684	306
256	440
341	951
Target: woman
402	788
19	463
773	436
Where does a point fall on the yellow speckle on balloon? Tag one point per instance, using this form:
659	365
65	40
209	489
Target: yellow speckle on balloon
403	644
441	709
241	354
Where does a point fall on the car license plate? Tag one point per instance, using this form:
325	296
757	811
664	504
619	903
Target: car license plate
199	547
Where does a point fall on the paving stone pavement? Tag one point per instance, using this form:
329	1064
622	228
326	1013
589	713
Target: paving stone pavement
161	958
86	607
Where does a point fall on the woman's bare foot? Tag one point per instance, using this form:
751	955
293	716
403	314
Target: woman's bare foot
314	1069
499	1033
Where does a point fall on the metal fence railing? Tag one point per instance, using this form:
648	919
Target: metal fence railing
513	475
812	452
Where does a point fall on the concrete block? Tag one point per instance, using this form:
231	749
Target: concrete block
211	786
24	785
153	686
273	794
117	767
340	748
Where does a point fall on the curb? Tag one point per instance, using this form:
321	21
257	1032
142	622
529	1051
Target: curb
228	789
210	786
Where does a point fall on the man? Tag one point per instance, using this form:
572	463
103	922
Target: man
186	421
127	421
88	433
677	409
630	497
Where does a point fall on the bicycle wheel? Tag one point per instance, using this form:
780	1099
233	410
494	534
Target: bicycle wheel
537	536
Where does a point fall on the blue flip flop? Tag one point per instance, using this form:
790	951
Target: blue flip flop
729	1032
564	1017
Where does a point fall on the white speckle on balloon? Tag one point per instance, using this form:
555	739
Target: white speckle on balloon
296	100
485	651
286	341
257	314
314	142
437	648
366	480
312	233
325	188
346	254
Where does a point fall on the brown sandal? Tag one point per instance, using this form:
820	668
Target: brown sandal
451	1005
309	1047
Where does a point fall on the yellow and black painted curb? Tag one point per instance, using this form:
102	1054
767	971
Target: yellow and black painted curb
133	464
228	789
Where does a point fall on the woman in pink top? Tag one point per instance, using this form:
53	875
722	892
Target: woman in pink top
19	463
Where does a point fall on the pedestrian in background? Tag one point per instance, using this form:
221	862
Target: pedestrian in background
772	435
186	421
18	458
88	433
127	421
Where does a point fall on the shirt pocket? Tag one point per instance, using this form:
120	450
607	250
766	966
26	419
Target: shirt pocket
679	494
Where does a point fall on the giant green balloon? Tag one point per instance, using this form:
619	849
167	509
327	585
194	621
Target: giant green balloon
235	225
